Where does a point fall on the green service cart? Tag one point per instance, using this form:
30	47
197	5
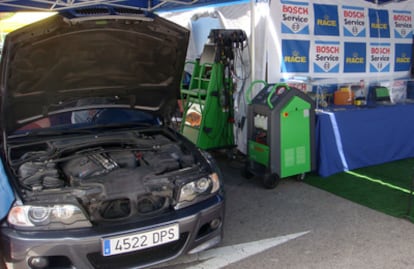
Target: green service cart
280	133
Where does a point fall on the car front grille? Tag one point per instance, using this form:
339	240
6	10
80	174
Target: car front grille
142	206
138	258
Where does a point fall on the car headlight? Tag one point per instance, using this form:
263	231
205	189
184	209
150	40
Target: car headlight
63	216
198	190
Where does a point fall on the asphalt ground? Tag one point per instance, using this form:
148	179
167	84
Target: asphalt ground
337	233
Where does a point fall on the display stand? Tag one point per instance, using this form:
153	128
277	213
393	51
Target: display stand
369	131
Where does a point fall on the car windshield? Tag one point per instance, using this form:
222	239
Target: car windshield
91	118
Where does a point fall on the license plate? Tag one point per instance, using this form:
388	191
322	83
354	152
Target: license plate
141	240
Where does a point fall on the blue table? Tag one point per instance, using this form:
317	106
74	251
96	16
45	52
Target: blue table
357	137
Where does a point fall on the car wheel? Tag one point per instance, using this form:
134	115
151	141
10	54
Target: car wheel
270	181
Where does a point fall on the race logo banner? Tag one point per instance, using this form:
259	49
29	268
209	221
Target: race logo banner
380	57
378	23
295	55
355	57
295	18
354	21
326	20
402	57
327	57
402	21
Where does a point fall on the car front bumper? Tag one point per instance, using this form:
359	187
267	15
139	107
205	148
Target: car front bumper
82	248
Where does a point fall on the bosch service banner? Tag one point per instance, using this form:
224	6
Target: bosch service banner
295	19
353	41
403	27
354	21
327	56
379	57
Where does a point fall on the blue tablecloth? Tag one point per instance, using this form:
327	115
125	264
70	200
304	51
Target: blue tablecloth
357	137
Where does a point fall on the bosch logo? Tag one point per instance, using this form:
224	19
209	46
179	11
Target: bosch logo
379	65
380	50
327	49
355	30
295	26
295	10
405	18
354	14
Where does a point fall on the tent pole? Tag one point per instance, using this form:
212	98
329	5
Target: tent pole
252	39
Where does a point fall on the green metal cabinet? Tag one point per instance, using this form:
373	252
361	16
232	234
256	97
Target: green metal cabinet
280	133
295	137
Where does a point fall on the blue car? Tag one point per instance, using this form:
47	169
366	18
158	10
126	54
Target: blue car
92	175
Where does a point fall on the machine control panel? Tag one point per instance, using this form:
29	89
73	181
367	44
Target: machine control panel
274	91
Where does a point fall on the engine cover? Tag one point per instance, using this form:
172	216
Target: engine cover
96	164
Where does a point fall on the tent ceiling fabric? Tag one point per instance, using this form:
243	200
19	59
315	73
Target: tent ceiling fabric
382	2
145	5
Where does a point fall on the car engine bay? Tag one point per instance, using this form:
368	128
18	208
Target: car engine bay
114	175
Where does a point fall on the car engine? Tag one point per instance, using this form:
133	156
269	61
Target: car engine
113	176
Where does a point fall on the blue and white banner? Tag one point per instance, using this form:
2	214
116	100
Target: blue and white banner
379	26
379	57
354	21
402	22
403	57
346	42
355	55
295	56
327	57
326	20
295	18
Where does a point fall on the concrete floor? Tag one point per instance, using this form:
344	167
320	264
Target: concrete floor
342	234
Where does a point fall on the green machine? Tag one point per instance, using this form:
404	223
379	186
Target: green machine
208	98
207	107
280	133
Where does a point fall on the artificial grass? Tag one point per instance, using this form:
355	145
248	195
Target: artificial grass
385	187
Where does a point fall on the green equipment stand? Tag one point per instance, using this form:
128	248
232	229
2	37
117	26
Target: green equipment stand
280	133
208	103
208	113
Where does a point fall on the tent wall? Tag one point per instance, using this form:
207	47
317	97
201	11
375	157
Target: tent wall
346	42
318	41
231	17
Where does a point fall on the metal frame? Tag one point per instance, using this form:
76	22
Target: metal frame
59	5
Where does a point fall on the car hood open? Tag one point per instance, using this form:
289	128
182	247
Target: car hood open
133	58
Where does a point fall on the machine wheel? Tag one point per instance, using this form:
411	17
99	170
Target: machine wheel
245	172
270	181
300	177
